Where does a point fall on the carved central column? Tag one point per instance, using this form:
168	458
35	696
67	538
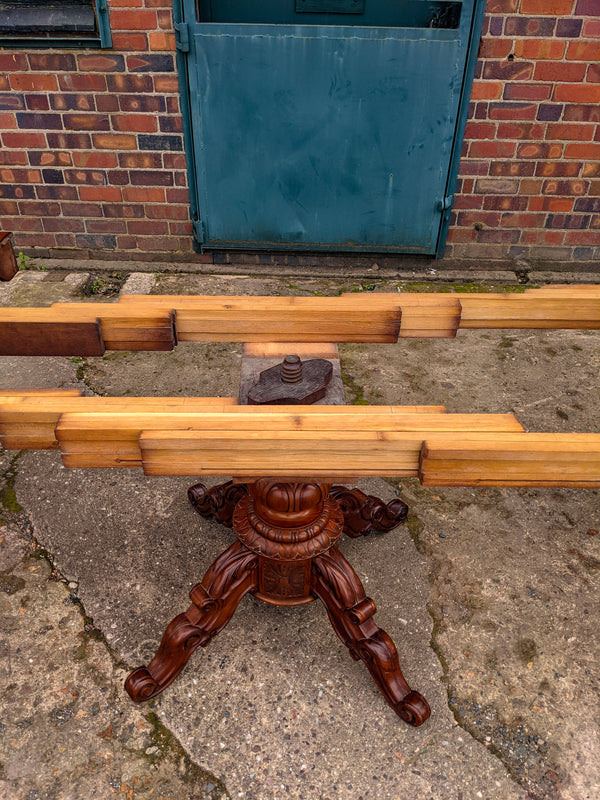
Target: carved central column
287	525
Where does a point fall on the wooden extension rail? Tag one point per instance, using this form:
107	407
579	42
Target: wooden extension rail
214	436
158	322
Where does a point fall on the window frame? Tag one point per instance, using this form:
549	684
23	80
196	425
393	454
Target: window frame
100	39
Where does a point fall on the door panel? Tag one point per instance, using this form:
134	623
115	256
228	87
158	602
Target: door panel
311	136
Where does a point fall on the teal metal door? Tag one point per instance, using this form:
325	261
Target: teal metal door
325	124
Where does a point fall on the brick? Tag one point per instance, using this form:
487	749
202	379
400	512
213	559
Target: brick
166	83
86	122
13	157
522	220
529	26
130	41
157	243
177	195
591	29
496	186
174	160
82	82
499	203
9	207
23	140
133	103
148	227
70	141
100	193
96	241
538	150
151	63
39	121
37	102
512	111
591	151
573	187
56	192
62	225
140	123
591	237
13	62
8	121
128	3
493	47
110	62
570	221
114	141
151	178
173	105
587	7
95	160
499	236
560	73
480	130
11	102
512	168
527	91
66	101
22	224
107	102
53	176
4	87
530	186
143	194
520	130
127	243
582	113
584	51
558	169
573	132
52	62
105	226
508	70
577	93
133	20
501	6
181	179
16	192
86	177
8	175
561	204
553	7
486	90
491	149
550	112
590	204
138	84
32	82
181	228
467	167
122	211
594	188
592	169
165	20
171	124
82	210
160	142
183	212
540	49
141	160
163	40
569	28
593	75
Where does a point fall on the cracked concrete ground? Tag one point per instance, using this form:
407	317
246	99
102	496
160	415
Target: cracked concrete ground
491	595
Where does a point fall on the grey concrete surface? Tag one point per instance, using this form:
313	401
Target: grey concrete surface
491	595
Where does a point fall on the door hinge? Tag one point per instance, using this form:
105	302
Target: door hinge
198	230
182	36
446	203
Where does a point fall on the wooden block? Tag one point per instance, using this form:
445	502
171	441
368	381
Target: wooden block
29	422
278	453
40	333
424	315
532	459
529	311
583	290
40	393
282	349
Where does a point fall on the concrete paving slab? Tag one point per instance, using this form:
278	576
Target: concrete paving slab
491	595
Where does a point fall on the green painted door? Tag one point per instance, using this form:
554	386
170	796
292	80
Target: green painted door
326	124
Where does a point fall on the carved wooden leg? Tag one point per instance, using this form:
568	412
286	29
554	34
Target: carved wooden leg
364	513
351	614
217	502
214	601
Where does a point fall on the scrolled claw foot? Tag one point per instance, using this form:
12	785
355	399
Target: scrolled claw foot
413	709
141	686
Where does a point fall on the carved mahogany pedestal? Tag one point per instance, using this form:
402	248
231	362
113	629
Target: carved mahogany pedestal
286	554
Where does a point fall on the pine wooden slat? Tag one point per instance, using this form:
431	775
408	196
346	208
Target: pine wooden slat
40	393
532	459
304	350
529	311
584	290
283	453
29	422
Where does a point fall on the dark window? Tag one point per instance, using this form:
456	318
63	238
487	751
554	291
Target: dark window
70	23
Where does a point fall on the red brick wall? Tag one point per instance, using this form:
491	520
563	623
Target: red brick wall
529	185
92	160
